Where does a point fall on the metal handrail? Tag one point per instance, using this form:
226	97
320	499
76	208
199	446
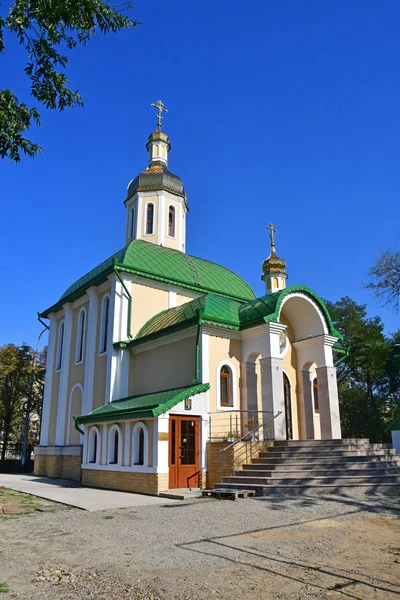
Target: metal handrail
194	475
246	435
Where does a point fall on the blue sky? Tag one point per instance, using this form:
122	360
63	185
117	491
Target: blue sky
277	111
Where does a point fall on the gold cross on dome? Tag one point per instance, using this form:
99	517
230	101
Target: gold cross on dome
160	109
272	231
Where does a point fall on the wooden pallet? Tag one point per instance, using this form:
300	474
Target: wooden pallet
227	493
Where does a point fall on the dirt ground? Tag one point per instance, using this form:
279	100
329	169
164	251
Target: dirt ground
272	548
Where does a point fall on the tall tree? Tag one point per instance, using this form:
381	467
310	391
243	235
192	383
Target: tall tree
369	387
384	278
15	364
48	30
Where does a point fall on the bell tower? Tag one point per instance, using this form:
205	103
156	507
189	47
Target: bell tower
274	268
156	201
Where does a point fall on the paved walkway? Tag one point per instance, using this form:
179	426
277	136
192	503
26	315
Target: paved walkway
74	494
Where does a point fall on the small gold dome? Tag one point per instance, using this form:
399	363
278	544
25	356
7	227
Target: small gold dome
273	264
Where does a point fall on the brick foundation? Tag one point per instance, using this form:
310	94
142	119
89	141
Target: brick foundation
57	461
242	452
125	481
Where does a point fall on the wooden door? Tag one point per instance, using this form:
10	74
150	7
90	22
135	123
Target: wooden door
184	450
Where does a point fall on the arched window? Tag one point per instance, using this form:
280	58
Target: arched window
80	336
226	397
171	221
163	151
149	219
60	344
140	445
131	224
105	323
114	446
315	395
94	446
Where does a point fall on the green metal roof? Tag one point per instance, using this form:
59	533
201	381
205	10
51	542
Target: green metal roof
162	264
212	308
227	313
142	407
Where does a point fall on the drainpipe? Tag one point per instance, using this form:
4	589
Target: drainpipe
77	426
129	334
345	352
197	378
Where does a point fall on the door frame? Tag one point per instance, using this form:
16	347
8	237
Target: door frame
187	417
285	375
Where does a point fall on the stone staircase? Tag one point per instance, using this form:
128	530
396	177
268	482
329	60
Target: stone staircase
295	466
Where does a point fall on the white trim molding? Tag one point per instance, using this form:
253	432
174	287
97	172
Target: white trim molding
140	425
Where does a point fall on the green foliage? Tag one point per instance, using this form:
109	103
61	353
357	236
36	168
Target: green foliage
369	380
16	372
48	30
384	278
3	588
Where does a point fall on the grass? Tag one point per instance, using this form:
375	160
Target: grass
108	517
10	499
3	588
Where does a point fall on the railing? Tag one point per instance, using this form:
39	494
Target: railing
230	425
198	475
260	434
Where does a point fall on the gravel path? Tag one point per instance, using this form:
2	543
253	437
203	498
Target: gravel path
273	547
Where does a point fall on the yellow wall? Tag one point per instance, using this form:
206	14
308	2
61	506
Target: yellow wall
290	368
163	368
223	349
146	303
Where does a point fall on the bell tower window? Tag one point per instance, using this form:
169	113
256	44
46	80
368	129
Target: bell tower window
131	224
149	219
171	221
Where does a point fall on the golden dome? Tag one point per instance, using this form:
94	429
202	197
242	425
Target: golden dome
273	264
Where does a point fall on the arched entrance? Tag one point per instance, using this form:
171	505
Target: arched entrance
288	407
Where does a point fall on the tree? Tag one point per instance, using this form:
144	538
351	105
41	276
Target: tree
369	380
384	278
48	30
16	364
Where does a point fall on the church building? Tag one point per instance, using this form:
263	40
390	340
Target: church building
158	359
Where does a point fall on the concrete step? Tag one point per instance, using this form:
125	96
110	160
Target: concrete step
325	461
329	453
315	489
332	449
318	473
340	480
312	443
348	466
331	456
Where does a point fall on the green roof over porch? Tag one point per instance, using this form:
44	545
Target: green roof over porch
146	406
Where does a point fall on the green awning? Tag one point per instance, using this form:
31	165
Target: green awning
146	406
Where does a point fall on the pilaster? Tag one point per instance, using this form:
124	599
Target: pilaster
328	403
305	406
273	400
63	389
51	353
90	350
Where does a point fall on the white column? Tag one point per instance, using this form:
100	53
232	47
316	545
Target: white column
305	405
90	355
63	389
119	376
111	354
205	358
271	365
161	219
328	403
48	385
161	446
104	444
127	450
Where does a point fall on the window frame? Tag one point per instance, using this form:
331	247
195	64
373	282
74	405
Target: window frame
146	225
94	431
60	345
104	325
172	210
232	386
131	223
113	431
80	337
316	405
135	455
